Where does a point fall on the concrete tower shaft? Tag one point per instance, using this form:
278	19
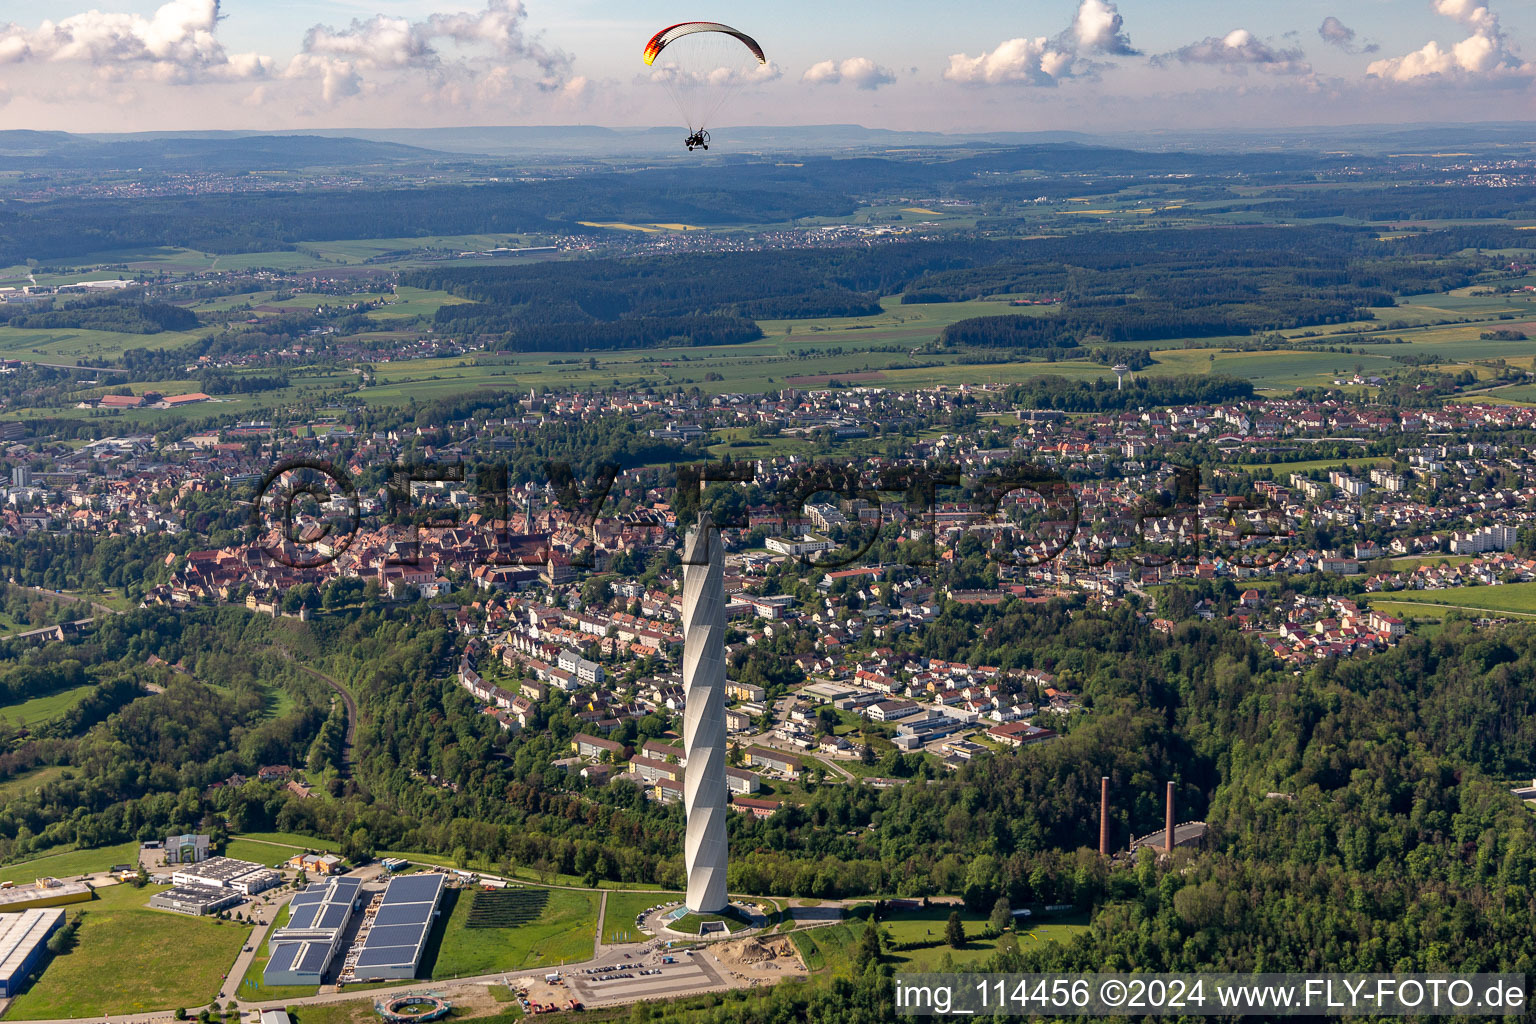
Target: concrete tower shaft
704	790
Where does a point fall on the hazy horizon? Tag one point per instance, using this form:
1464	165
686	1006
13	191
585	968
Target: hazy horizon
1083	65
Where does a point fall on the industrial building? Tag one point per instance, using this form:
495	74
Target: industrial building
395	930
302	949
196	900
23	941
243	876
189	849
45	892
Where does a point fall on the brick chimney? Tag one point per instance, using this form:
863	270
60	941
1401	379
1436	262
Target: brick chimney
1168	823
1104	816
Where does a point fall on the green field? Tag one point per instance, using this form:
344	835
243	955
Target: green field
831	948
619	917
1517	599
289	839
262	853
564	933
44	709
71	864
129	959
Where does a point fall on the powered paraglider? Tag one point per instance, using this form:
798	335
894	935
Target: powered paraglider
702	64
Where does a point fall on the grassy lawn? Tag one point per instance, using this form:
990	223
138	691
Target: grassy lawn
75	862
831	948
521	873
44	709
563	934
619	919
1507	599
129	959
292	841
268	854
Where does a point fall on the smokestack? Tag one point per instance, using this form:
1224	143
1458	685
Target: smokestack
1104	816
1168	823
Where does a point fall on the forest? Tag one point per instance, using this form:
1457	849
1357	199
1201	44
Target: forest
126	312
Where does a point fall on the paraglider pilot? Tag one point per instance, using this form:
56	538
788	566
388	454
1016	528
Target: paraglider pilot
698	140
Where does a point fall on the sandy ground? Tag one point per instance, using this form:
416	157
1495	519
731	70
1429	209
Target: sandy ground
760	957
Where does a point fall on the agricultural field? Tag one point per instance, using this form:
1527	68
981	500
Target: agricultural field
44	709
562	933
71	864
67	346
129	959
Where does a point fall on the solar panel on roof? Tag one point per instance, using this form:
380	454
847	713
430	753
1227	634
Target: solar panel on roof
303	917
389	956
307	897
395	935
413	889
333	916
399	913
283	954
314	958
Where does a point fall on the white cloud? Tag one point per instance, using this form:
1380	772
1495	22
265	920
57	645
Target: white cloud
1240	49
1336	33
1483	54
1015	62
175	44
339	58
856	71
1097	28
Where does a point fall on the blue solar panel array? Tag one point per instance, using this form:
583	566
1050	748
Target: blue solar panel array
399	933
414	889
398	914
315	956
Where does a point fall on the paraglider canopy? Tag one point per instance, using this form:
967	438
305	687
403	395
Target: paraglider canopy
702	64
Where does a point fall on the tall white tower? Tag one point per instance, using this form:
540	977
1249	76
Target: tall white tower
1120	371
704	792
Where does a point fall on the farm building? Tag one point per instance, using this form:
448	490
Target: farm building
23	942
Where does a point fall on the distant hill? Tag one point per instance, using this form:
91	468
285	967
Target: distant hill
210	151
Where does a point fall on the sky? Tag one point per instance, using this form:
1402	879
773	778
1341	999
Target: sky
962	65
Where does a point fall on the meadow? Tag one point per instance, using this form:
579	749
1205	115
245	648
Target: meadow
1513	599
831	948
130	959
564	933
44	709
71	864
